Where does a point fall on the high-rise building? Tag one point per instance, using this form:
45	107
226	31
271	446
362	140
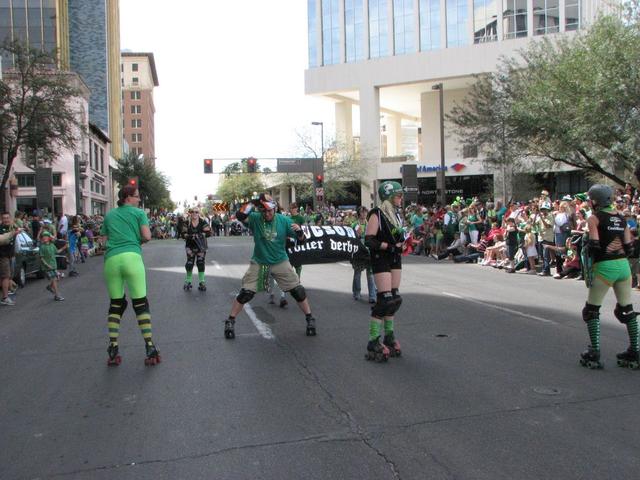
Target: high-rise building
382	58
139	78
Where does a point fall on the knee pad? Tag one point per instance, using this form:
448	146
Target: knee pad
190	262
245	296
200	263
624	314
590	312
140	305
298	293
397	301
383	302
117	306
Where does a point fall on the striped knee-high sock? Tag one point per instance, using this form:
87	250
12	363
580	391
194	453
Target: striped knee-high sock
374	329
632	330
116	309
593	326
143	315
388	325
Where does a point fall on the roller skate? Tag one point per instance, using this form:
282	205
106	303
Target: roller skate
393	345
229	329
283	302
114	358
629	359
153	355
202	287
311	326
187	286
590	358
376	351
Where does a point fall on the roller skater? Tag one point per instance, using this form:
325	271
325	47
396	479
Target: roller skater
123	230
384	237
608	246
195	231
270	232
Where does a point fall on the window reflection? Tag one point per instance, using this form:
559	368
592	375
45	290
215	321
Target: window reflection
429	24
457	17
514	18
330	32
546	16
485	21
312	31
404	30
354	29
572	9
378	29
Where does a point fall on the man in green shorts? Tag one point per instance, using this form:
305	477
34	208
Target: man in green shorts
124	230
270	232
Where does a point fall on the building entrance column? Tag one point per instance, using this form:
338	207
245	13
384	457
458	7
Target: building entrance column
344	125
370	141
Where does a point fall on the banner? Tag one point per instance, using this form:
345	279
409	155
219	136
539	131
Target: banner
327	244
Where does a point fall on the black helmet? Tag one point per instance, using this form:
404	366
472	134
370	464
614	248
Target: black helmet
600	195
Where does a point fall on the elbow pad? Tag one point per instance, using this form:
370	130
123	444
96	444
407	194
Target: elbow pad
372	243
628	249
594	246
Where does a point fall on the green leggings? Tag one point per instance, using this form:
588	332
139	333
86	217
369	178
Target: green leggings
128	268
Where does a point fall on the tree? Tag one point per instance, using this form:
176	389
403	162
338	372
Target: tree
235	187
153	186
37	113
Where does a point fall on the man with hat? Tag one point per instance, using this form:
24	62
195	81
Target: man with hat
270	232
547	237
48	264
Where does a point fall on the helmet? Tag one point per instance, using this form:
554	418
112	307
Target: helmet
388	189
600	195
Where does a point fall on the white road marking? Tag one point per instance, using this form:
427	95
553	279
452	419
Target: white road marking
345	264
217	265
263	328
502	309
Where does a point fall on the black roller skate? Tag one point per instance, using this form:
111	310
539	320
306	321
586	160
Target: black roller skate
187	286
114	358
393	345
590	358
153	355
376	351
202	287
629	359
229	329
311	326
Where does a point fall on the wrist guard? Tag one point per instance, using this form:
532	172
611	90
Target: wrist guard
300	235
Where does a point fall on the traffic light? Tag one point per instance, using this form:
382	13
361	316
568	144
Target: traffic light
133	182
251	165
208	165
319	179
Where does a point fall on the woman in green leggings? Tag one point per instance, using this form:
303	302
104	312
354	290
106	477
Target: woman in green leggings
125	228
609	245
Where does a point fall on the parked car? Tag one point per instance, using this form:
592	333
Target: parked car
27	259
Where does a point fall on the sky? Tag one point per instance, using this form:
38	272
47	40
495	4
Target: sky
231	75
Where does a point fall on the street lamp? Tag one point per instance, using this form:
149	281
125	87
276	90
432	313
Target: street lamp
440	180
321	159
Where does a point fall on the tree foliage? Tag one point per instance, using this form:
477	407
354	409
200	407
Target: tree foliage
37	114
152	184
572	100
238	186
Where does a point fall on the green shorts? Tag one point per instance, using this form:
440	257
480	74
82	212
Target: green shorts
51	274
612	271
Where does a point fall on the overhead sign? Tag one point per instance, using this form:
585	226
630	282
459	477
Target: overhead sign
410	182
295	165
457	167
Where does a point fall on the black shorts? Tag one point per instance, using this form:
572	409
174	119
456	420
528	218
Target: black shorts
384	262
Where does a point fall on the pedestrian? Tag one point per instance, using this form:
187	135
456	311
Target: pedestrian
7	251
360	227
195	231
385	236
48	264
270	232
608	247
124	229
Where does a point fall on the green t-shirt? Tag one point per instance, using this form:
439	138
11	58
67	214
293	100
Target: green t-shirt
473	226
417	220
299	219
122	228
270	238
48	256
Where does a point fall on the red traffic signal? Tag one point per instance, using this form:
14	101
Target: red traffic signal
319	179
208	165
133	182
252	165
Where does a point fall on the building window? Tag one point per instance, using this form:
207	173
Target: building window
134	67
378	29
546	17
57	179
102	190
91	185
354	29
429	24
403	27
102	160
485	21
136	109
26	179
135	95
514	19
312	29
572	13
136	137
457	17
136	123
95	156
330	32
135	80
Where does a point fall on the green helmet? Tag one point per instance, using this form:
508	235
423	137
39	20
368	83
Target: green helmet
388	189
601	195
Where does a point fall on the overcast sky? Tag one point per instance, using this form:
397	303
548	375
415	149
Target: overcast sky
231	77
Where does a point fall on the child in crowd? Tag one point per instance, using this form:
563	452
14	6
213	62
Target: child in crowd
48	253
531	249
84	246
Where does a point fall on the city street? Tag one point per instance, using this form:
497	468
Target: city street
488	386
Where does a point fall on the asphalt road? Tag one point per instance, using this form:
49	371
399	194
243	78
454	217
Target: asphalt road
488	387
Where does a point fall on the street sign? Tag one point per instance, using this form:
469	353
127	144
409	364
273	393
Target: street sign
410	189
295	165
410	182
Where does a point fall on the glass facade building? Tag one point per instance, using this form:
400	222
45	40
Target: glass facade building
379	28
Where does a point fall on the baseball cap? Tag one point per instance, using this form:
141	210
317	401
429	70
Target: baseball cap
46	234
